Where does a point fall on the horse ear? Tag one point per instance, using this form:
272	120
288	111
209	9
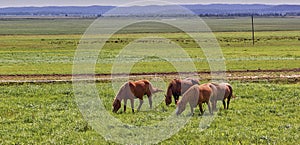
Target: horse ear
131	84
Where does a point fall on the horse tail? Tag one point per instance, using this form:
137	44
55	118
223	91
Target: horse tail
214	91
196	95
231	91
153	89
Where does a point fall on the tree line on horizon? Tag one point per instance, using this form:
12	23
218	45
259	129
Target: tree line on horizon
214	10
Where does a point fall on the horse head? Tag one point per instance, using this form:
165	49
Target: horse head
180	107
116	105
168	96
168	99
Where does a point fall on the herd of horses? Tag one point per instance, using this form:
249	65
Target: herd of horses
190	89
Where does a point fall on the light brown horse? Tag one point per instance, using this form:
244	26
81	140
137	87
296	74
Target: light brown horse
178	87
195	95
221	91
133	90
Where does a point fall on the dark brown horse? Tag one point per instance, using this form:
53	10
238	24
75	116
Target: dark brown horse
177	87
222	92
196	95
133	90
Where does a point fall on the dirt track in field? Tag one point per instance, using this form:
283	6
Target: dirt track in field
290	75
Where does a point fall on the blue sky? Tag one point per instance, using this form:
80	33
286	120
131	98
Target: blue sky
20	3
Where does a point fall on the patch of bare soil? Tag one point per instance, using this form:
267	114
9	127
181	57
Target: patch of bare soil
290	75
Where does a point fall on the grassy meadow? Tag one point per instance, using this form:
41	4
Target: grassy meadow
262	113
54	54
36	113
48	26
47	46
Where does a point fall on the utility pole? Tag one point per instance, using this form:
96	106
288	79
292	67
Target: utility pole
252	29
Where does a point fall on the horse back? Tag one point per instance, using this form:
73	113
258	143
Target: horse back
179	87
187	83
222	90
205	93
192	81
140	88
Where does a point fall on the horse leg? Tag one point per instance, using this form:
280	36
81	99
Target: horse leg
132	105
209	107
228	100
140	105
176	99
125	102
201	109
224	104
214	105
150	101
200	113
192	109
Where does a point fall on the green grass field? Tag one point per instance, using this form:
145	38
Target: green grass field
48	26
54	54
47	46
262	113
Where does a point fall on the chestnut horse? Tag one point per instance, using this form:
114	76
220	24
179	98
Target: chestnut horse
178	87
196	95
133	90
222	91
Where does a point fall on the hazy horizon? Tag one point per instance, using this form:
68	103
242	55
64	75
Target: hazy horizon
34	3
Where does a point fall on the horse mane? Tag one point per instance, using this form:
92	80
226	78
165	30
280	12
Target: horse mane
169	89
121	92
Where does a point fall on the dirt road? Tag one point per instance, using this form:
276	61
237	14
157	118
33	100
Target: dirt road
290	75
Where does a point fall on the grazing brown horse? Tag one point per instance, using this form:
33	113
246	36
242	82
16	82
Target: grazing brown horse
133	90
221	91
195	95
178	87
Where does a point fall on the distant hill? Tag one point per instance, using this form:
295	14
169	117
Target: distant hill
258	9
204	10
56	10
